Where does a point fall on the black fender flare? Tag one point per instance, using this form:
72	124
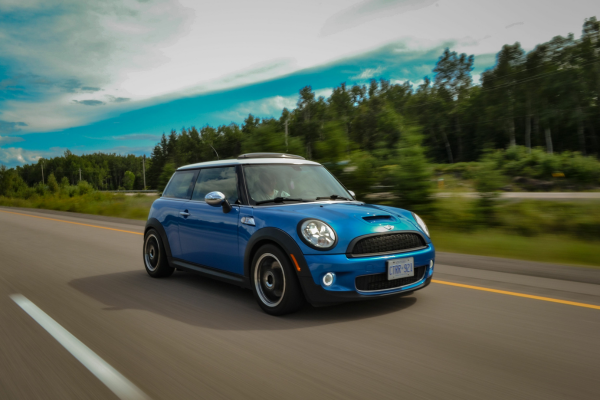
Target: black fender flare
314	294
153	223
283	240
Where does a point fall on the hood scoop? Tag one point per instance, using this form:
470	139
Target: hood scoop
374	219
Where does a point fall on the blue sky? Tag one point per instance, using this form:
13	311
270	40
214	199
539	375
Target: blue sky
113	76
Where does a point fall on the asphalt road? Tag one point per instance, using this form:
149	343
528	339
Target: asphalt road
188	337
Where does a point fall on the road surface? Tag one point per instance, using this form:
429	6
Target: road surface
510	330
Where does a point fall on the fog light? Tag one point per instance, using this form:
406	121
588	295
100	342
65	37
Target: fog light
328	279
431	265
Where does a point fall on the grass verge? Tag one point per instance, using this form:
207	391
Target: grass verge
544	248
108	204
510	241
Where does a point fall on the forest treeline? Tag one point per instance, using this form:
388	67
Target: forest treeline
547	99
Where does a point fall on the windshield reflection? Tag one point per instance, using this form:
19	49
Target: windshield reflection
280	183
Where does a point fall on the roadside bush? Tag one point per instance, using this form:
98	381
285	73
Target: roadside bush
580	169
413	177
40	189
454	214
517	161
536	217
488	181
83	188
463	170
52	184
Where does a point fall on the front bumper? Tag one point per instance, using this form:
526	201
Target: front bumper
348	269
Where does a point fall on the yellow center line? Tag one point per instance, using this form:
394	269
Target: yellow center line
528	296
74	223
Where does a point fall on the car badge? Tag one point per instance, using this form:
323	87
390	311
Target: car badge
388	227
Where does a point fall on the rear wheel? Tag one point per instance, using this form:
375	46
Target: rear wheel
155	259
274	282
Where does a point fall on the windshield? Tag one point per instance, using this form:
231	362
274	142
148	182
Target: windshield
298	182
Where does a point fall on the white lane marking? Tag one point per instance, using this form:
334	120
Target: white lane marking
116	382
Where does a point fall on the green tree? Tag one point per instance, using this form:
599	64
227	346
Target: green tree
83	187
308	118
332	149
488	181
453	82
360	175
165	176
413	187
128	180
64	182
269	137
53	184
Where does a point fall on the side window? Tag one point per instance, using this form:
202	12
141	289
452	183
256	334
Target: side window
181	185
222	180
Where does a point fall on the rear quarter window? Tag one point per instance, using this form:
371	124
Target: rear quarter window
223	180
181	185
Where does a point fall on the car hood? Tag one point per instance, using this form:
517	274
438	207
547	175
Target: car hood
348	219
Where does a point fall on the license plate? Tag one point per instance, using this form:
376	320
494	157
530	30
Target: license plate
400	268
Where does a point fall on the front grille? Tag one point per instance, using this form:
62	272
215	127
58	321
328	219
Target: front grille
380	281
388	243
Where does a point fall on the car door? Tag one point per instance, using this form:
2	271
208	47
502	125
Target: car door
177	193
208	236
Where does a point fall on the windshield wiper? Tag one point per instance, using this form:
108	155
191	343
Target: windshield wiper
334	197
279	200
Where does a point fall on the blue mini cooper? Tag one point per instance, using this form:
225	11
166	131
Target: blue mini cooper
288	230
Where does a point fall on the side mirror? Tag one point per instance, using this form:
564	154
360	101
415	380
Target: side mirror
352	194
217	199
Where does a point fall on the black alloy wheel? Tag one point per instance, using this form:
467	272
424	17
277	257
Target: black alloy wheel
155	259
274	282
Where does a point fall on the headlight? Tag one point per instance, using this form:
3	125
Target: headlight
421	224
317	234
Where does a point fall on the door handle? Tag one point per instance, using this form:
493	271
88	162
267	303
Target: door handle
184	213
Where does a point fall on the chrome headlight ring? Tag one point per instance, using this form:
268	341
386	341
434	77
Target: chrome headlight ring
317	234
421	224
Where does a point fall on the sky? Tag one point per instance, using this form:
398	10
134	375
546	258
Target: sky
113	75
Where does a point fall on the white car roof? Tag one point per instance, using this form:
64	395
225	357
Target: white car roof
247	161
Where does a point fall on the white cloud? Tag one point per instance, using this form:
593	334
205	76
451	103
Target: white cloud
414	84
158	50
11	156
369	10
10	126
264	108
269	105
326	92
10	139
368	73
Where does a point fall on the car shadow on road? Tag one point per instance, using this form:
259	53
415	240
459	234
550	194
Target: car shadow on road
200	301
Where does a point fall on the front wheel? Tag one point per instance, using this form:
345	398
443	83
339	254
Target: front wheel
155	259
274	282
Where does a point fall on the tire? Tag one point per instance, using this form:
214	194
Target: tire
155	257
274	282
